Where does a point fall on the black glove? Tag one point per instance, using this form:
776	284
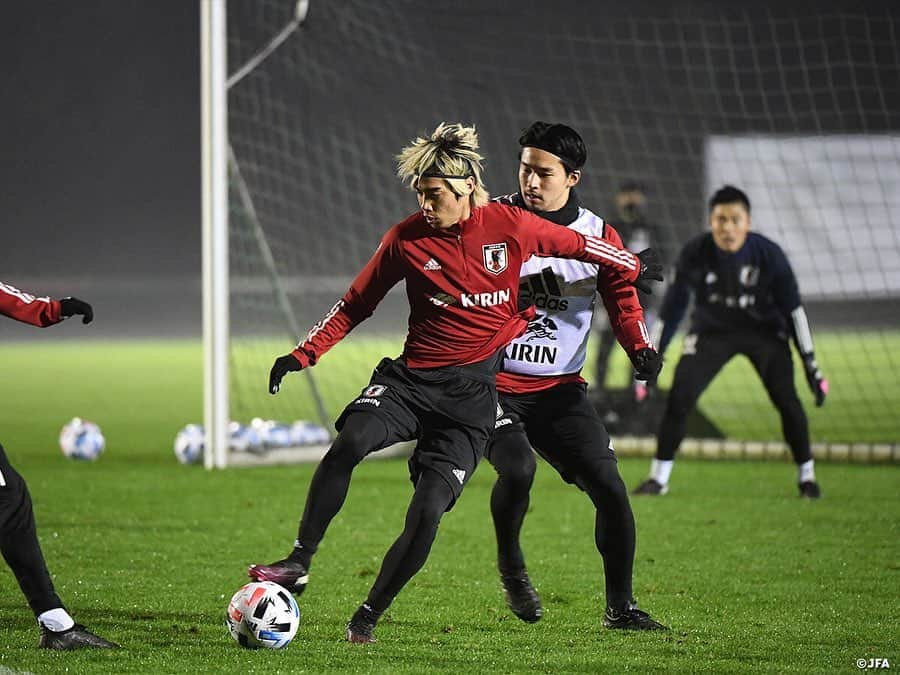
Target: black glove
817	383
647	364
71	306
651	270
282	366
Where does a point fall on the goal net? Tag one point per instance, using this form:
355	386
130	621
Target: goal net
799	107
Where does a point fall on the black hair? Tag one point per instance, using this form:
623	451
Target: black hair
558	139
630	185
729	194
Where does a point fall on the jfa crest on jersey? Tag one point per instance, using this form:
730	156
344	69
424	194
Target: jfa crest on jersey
495	258
563	292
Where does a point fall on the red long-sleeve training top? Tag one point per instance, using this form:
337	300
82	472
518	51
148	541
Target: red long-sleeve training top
462	283
25	307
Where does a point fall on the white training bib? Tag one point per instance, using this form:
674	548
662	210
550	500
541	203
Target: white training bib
564	293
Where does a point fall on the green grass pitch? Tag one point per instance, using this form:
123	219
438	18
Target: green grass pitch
147	552
862	406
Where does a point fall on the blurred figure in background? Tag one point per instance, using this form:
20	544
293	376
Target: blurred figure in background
746	301
18	533
637	232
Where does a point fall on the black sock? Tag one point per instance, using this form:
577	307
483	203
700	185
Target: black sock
366	614
302	555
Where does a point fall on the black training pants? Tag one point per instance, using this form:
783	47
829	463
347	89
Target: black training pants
703	357
19	543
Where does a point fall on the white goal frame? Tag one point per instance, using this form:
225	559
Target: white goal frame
214	110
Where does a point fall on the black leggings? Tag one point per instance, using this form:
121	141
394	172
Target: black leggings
577	446
361	434
19	543
770	356
431	499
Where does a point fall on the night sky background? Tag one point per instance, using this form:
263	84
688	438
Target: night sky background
100	138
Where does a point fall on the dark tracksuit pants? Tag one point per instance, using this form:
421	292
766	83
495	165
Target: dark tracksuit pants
703	357
19	543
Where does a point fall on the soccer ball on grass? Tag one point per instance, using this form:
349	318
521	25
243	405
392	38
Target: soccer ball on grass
189	444
262	614
81	439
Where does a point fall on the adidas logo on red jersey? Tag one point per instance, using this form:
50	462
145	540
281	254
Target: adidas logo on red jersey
432	265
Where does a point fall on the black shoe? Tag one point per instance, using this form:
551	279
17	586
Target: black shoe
521	597
287	573
77	637
630	618
809	489
361	628
650	487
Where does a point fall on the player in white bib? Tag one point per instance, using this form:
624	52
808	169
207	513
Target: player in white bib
543	397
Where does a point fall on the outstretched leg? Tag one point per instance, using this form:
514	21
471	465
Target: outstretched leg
702	358
773	361
361	434
431	499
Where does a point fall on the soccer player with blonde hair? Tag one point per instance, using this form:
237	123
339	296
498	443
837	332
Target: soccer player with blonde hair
460	257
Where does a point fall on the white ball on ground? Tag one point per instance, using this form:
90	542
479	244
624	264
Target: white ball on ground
308	433
244	438
189	443
272	434
262	614
81	439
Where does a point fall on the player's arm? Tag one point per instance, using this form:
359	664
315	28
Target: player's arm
626	316
675	302
787	297
380	274
40	312
546	239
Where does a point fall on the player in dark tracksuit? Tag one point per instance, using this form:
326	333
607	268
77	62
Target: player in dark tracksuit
543	396
460	258
746	301
18	534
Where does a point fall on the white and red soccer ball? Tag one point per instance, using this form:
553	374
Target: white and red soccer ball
262	614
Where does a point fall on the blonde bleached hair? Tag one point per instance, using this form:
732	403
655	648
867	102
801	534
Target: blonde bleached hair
451	153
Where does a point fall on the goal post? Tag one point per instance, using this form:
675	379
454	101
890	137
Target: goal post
214	105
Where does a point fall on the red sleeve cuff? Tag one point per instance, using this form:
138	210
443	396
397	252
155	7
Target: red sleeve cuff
303	358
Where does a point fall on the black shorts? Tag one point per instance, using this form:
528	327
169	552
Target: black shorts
562	425
451	411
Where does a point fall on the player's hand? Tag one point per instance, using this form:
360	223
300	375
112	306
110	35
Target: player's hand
282	366
647	364
817	382
71	306
651	270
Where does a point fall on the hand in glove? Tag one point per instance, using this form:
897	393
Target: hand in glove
651	270
282	366
817	382
647	364
71	306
